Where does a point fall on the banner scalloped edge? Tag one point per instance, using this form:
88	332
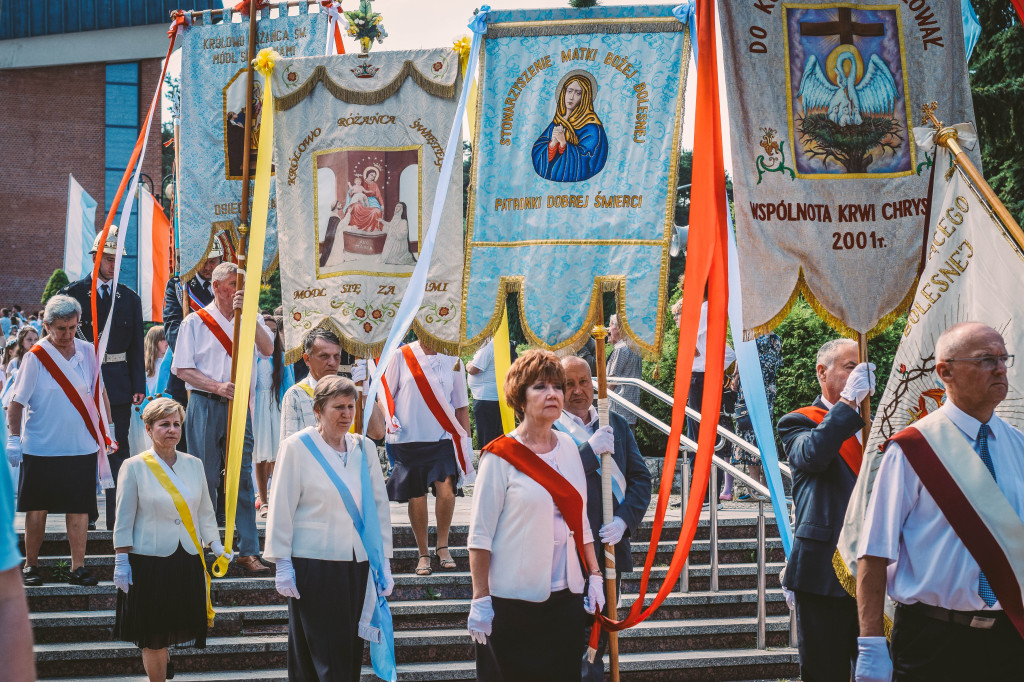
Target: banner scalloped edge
265	276
849	583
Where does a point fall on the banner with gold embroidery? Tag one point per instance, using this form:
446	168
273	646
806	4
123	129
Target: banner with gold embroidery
831	194
212	139
360	141
574	171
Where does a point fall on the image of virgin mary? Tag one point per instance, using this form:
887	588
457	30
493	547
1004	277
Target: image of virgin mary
574	146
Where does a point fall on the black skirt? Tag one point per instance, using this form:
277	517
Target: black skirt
418	466
534	641
166	603
59	485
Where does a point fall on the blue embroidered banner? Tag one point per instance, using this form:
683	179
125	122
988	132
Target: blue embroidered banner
212	137
574	170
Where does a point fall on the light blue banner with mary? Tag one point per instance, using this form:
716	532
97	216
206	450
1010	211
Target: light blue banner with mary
574	170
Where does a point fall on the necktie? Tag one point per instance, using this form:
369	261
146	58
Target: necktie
206	289
981	445
104	291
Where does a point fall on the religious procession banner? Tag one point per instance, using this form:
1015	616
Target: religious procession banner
360	142
212	134
574	171
971	263
831	193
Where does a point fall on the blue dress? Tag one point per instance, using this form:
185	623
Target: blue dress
578	162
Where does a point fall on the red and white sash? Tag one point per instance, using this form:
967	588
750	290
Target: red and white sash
851	450
214	326
954	475
439	406
77	391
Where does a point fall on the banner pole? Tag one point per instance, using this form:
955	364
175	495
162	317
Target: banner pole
865	405
608	511
176	207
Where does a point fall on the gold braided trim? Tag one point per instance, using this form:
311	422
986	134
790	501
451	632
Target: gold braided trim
568	27
360	349
801	288
365	97
232	230
849	583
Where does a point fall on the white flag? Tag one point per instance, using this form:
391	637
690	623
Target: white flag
80	231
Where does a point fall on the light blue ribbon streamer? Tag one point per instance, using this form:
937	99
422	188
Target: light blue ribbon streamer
163	372
687	14
382	654
972	27
617	477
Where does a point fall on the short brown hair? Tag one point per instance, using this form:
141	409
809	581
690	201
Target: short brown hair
531	366
332	387
160	408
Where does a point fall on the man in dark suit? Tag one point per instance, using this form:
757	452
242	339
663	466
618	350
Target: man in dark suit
579	419
813	439
124	365
180	299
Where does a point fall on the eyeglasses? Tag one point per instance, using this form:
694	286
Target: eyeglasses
987	362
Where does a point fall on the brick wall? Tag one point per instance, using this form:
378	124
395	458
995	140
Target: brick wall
52	125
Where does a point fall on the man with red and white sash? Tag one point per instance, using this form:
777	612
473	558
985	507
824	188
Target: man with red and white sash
428	440
943	532
203	361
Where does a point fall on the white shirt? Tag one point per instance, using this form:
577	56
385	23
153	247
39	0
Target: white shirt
199	349
702	343
927	561
52	425
590	425
559	554
483	384
418	423
297	408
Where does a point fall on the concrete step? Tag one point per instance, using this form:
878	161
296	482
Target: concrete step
87	626
436	646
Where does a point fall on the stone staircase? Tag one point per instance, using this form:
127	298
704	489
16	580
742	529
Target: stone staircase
696	635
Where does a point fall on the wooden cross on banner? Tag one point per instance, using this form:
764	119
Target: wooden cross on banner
845	27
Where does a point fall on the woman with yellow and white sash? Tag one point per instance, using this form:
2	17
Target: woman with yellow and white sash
164	519
332	553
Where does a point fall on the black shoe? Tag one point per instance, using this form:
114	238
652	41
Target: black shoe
170	670
82	576
221	520
92	525
31	577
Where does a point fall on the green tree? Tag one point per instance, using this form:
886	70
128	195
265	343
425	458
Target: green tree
997	84
270	292
58	280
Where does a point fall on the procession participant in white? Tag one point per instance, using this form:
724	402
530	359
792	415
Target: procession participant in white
430	445
524	554
60	437
328	566
943	533
164	520
202	360
266	420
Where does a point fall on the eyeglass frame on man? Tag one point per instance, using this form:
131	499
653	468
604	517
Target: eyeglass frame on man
987	362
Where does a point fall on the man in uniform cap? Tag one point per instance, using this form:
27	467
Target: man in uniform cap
124	370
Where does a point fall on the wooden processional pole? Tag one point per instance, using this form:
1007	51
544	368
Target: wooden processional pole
865	405
608	511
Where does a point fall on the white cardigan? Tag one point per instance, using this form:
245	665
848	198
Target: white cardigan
147	520
513	519
307	516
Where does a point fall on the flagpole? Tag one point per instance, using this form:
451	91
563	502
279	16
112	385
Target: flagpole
176	210
865	405
608	511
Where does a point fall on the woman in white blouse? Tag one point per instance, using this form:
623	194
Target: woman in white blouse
161	576
322	565
528	584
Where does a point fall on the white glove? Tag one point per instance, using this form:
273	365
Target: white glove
122	572
14	450
602	441
860	384
594	601
219	550
284	581
481	615
388	587
873	662
611	533
359	371
790	598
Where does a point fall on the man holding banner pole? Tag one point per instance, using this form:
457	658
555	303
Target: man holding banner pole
943	532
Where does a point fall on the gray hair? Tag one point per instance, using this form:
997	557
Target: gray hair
61	307
828	353
319	333
225	271
331	387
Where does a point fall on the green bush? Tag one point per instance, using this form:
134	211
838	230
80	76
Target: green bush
58	280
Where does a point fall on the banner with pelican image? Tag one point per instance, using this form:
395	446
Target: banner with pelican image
831	193
213	112
574	171
359	141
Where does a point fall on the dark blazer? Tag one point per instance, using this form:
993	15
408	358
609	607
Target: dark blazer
822	484
175	305
122	379
637	493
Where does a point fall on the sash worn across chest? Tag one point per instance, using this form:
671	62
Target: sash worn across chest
92	422
851	451
567	424
433	401
216	329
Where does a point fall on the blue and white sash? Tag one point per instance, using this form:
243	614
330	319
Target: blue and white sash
566	424
379	632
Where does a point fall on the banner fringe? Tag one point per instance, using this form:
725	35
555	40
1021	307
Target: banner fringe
582	27
373	350
849	583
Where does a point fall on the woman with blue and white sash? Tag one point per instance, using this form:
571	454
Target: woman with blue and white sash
332	552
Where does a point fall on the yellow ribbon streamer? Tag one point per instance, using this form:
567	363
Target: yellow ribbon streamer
186	518
502	361
264	63
462	47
